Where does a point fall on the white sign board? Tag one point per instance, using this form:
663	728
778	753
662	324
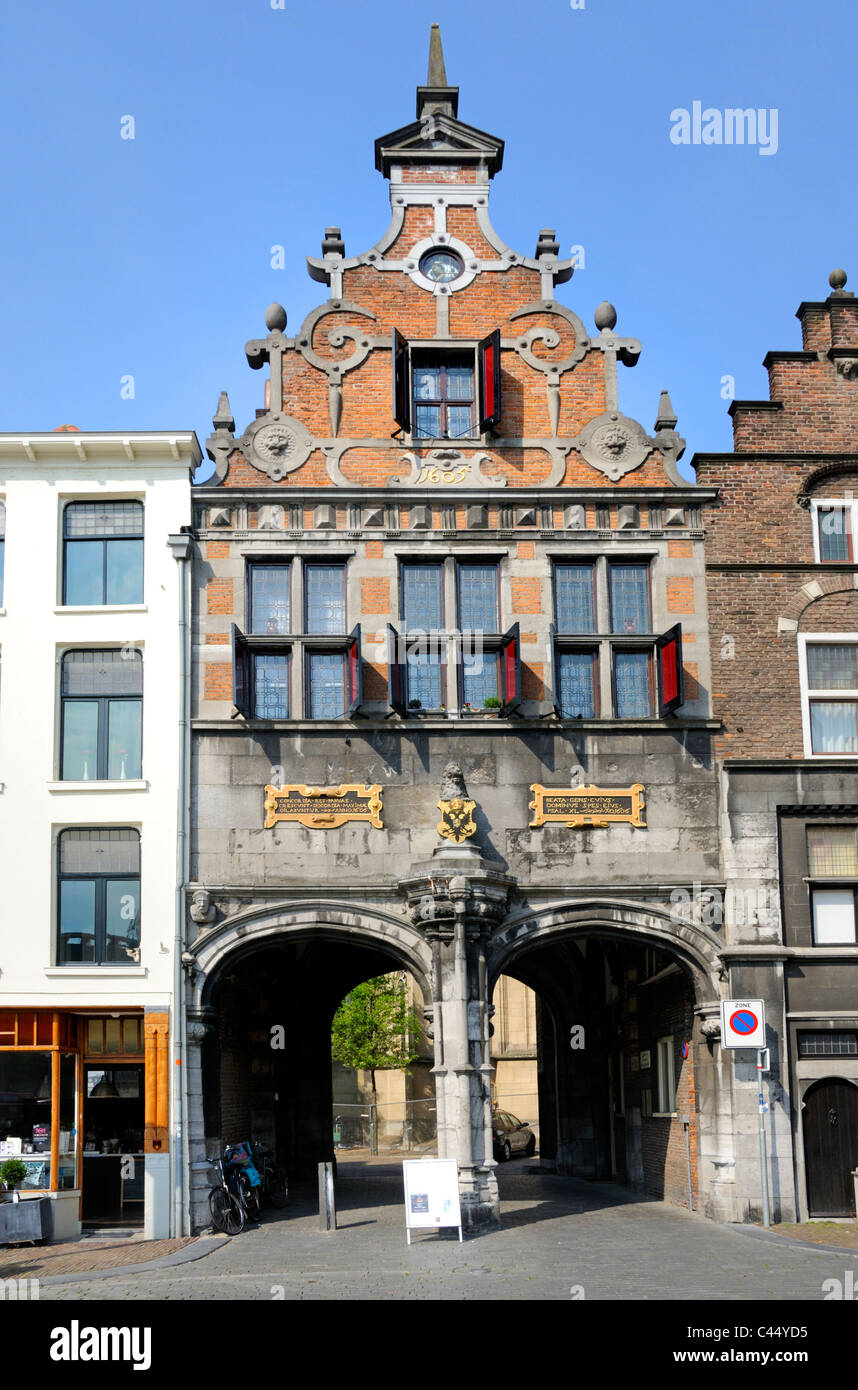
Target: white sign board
743	1023
431	1194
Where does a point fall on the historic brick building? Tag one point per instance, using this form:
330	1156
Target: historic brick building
783	608
440	577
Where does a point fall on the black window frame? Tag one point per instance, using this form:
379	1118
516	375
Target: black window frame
105	541
100	898
103	717
443	359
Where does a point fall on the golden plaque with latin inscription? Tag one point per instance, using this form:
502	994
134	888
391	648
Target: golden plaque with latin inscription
323	808
592	806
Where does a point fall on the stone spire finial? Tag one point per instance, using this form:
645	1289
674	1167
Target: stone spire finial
223	418
437	74
666	418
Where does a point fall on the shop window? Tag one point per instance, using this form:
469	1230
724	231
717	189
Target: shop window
665	1076
99	897
829	678
102	715
103	553
832	858
113	1158
29	1110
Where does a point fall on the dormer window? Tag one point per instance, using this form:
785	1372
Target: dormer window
446	393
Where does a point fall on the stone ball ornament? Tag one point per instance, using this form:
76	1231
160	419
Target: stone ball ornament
275	318
837	279
605	315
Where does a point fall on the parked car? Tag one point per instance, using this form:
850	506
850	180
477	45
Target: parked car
511	1135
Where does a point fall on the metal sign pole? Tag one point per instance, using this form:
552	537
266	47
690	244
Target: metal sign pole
764	1163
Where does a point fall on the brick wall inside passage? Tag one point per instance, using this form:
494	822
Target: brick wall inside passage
666	1008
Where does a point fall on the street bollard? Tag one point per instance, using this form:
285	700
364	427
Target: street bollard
327	1201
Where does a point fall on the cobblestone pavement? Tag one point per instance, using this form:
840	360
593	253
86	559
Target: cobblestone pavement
558	1235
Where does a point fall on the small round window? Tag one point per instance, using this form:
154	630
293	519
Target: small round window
441	266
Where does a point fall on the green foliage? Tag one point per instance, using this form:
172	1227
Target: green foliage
13	1172
376	1027
491	702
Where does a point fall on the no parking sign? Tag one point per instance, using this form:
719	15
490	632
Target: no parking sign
743	1023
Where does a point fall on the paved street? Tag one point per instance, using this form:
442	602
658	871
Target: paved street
558	1234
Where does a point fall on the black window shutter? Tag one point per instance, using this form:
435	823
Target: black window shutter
488	356
555	683
671	678
240	672
354	671
401	392
395	671
510	655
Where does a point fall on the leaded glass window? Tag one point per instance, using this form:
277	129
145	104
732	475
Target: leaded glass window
102	715
833	666
103	553
324	598
478	597
828	1044
576	676
271	685
632	684
832	851
628	589
423	597
270	599
325	685
574	598
99	896
480	671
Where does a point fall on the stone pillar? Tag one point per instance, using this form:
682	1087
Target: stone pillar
456	900
200	1145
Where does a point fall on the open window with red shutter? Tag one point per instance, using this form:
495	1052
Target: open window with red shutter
510	672
240	673
488	361
671	682
401	382
395	670
354	672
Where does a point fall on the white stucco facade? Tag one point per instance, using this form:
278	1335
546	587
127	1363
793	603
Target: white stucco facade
40	475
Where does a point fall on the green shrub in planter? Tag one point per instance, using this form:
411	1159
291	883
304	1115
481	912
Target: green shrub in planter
13	1172
491	702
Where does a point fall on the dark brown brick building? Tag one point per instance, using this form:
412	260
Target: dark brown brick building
781	580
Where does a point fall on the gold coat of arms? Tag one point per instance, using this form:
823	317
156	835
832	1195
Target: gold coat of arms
457	820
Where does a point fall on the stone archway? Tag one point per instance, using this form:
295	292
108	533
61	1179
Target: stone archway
306	956
577	956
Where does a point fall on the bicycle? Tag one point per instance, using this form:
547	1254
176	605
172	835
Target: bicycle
228	1212
275	1186
248	1181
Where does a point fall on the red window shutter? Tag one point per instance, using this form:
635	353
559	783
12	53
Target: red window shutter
671	682
401	391
240	672
395	670
354	671
511	669
488	354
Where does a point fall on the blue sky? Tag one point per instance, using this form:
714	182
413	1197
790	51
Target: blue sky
254	127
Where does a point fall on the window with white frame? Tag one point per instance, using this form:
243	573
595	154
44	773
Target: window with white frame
832	867
665	1076
833	529
829	684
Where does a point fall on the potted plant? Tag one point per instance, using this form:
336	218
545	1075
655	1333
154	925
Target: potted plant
21	1221
415	704
492	706
12	1173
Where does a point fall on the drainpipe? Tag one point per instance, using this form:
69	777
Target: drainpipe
180	545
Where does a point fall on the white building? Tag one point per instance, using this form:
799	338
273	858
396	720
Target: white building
93	797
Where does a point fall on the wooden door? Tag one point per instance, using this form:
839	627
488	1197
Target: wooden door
831	1147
